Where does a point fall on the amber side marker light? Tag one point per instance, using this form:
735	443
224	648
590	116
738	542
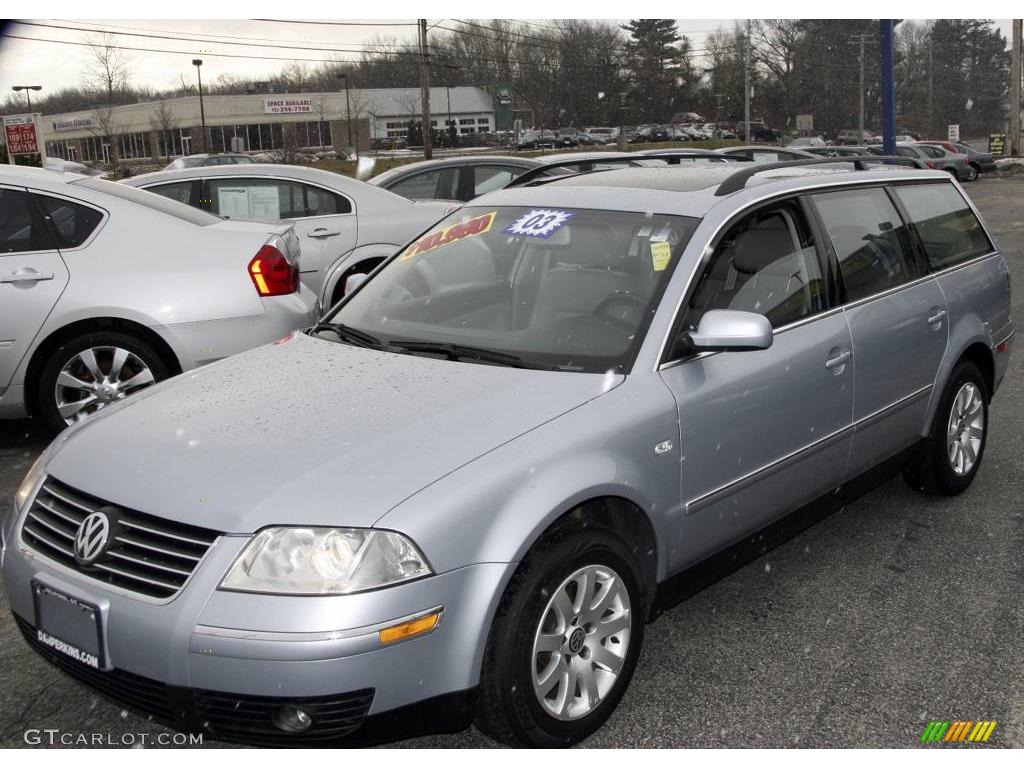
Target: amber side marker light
410	628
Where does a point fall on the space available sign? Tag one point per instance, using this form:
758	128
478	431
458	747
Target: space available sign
73	124
20	133
287	106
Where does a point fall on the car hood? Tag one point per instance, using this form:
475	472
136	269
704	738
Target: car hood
308	432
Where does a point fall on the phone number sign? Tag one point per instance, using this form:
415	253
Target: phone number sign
20	133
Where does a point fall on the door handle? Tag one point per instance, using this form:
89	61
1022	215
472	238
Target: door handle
31	276
840	359
324	232
937	317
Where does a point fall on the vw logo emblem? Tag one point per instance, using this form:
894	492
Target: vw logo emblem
577	640
91	541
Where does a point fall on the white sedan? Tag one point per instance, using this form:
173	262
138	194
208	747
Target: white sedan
345	226
105	289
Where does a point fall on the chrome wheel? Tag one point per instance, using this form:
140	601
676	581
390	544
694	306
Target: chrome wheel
580	645
96	377
965	429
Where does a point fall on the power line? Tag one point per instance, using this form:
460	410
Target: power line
343	23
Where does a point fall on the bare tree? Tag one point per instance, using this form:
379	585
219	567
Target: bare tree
163	122
107	69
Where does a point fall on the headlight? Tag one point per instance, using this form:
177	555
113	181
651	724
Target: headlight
29	484
325	561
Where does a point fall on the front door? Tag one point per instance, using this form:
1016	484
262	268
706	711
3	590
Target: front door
762	432
32	277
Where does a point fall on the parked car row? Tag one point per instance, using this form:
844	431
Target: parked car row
463	492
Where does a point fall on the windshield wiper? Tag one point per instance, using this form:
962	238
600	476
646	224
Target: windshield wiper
464	352
353	336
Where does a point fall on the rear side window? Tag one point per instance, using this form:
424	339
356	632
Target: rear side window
258	199
20	229
148	200
72	223
869	238
179	190
948	228
320	202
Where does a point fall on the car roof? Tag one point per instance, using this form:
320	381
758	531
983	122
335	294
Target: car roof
22	174
686	191
446	162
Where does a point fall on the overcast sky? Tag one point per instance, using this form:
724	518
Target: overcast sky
56	65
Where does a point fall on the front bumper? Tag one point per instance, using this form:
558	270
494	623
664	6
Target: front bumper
225	662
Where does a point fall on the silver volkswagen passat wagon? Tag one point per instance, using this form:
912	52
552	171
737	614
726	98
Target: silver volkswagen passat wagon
464	492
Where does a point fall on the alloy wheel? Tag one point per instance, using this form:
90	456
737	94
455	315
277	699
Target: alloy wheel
965	429
581	642
96	377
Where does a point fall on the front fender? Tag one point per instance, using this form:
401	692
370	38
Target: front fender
495	508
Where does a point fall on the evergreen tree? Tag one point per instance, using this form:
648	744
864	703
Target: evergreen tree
658	62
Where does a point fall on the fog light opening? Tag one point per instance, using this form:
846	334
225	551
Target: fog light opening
291	719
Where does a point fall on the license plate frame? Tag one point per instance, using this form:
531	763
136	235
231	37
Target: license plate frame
69	625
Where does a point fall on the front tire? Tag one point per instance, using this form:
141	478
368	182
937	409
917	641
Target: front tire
564	643
89	372
972	172
950	455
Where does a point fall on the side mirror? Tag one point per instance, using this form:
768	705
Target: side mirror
731	330
354	281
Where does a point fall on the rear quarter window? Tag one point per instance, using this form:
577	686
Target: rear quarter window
949	230
71	223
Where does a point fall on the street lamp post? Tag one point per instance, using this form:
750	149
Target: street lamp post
27	89
348	110
198	63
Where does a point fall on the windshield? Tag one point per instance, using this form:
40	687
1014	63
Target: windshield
567	289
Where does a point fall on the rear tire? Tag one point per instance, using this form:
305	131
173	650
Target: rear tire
948	458
86	373
553	671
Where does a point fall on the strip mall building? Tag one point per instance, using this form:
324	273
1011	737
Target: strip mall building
153	131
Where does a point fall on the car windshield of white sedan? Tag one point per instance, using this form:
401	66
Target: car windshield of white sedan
566	289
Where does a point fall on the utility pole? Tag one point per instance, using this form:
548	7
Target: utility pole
425	85
931	88
1015	68
860	40
888	88
198	63
746	86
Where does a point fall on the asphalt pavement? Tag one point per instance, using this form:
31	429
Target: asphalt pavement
898	610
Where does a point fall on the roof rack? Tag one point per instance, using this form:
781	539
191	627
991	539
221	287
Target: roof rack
587	163
738	180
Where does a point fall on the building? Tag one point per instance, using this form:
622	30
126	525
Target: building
152	131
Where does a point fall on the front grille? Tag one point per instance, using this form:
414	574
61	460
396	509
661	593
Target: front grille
133	691
250	718
147	554
233	717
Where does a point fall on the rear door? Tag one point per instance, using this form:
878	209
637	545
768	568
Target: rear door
325	221
32	277
897	316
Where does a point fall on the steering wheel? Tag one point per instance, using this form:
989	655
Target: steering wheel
629	304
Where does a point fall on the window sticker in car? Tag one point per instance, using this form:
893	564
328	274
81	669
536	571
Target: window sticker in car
540	222
661	255
478	225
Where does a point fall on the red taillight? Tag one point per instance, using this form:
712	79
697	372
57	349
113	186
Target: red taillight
272	273
930	163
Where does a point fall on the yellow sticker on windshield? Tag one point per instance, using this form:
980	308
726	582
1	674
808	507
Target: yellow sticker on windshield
661	255
478	225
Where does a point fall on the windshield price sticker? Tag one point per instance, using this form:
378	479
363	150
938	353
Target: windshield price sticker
661	255
540	222
475	226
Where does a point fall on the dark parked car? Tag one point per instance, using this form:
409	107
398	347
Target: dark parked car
537	140
981	161
759	132
453	178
